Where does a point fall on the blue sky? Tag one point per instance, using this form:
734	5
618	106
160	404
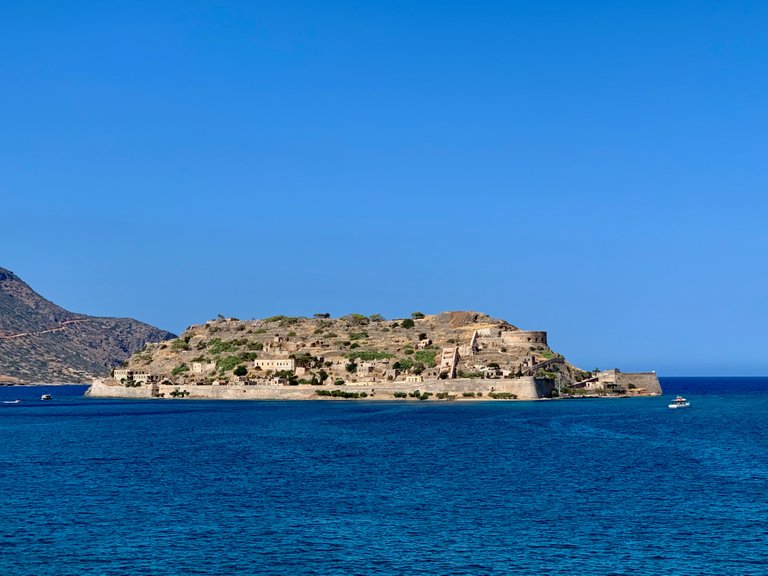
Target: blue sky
596	169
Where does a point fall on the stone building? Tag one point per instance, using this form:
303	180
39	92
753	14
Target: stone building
202	367
275	364
449	361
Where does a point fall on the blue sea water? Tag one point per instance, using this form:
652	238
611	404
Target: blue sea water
116	487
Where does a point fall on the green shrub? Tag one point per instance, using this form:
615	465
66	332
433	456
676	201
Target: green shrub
408	365
426	357
341	394
502	395
240	371
369	355
358	335
400	395
417	315
179	345
217	345
356	319
180	369
407	323
227	363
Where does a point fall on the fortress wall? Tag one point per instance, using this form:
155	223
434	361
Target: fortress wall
641	380
526	388
103	389
525	338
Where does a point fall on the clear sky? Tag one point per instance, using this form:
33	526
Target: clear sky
595	169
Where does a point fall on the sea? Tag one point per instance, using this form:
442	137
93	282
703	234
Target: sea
589	486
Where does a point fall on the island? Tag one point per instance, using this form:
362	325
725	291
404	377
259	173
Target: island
446	356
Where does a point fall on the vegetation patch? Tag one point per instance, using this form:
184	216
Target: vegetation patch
502	396
369	355
180	345
227	363
341	394
180	369
425	356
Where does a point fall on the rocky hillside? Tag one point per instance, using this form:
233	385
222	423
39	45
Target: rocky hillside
42	342
352	348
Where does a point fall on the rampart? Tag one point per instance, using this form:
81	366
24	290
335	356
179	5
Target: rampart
640	382
525	338
645	383
526	388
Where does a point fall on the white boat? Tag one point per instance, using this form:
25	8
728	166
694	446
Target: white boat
11	401
46	397
680	402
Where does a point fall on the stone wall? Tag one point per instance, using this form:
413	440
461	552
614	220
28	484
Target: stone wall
632	382
643	382
526	388
525	338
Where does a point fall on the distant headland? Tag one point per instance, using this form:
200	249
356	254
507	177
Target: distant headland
447	356
43	342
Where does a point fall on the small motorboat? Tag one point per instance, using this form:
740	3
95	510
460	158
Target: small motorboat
680	402
46	397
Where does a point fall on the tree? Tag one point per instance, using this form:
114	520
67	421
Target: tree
408	323
322	315
417	315
241	371
323	376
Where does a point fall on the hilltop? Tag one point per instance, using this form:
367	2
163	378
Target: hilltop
466	352
42	342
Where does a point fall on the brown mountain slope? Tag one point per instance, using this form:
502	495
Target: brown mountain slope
42	342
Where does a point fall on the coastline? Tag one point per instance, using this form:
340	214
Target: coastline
516	389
